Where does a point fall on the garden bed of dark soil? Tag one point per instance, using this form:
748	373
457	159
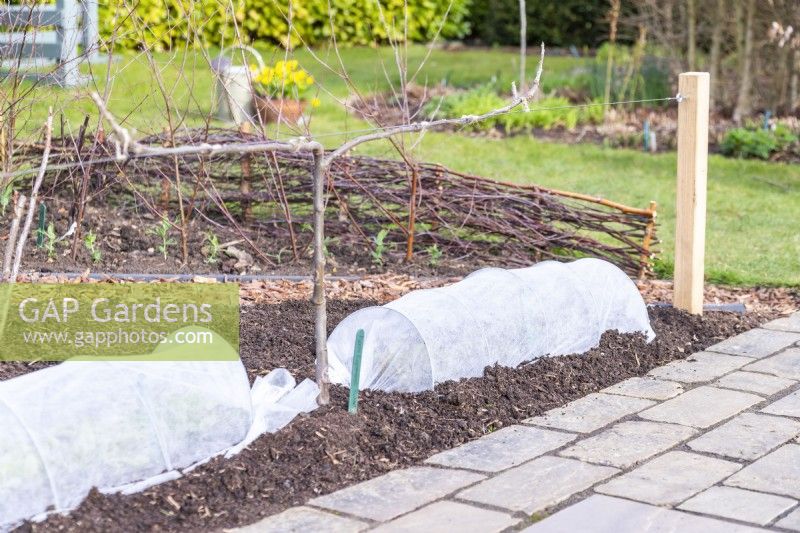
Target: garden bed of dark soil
128	246
330	449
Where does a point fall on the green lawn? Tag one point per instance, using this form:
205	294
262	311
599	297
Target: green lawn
753	224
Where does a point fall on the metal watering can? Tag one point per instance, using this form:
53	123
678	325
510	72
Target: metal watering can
234	88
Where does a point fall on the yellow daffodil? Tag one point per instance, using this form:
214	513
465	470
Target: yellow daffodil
285	77
299	79
266	76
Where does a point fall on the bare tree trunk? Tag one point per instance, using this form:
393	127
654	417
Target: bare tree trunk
181	213
783	79
412	211
613	19
19	208
716	52
629	84
743	102
37	183
793	81
691	38
166	188
669	19
739	17
318	297
245	189
4	162
523	44
244	183
80	211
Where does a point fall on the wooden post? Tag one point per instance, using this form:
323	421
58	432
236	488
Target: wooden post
690	226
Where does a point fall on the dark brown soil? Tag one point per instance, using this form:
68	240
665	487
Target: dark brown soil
127	244
330	449
12	369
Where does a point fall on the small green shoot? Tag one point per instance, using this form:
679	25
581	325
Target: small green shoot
50	241
380	246
90	241
161	230
326	243
5	197
279	256
213	247
434	254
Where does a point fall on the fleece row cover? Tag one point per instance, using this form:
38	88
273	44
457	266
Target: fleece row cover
493	316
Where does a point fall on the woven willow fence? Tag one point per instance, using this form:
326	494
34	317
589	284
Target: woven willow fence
420	206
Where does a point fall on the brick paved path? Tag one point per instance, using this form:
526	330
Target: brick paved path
711	443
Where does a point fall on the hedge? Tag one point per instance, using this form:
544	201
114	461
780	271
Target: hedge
163	24
556	22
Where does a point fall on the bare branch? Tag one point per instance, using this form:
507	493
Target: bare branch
132	149
520	99
26	229
19	208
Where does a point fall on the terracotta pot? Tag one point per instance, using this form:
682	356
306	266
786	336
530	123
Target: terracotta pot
269	109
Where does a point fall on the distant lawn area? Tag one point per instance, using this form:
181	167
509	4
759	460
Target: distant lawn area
753	235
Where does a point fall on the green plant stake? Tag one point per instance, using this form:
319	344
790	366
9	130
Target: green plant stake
355	375
41	231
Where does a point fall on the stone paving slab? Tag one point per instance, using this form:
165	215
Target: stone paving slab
700	367
537	485
688	439
756	343
590	412
701	407
739	504
755	382
787	323
646	387
789	405
776	473
790	521
304	519
502	449
628	443
397	492
785	364
603	514
748	436
670	478
446	517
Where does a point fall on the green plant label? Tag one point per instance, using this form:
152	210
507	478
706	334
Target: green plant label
130	321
